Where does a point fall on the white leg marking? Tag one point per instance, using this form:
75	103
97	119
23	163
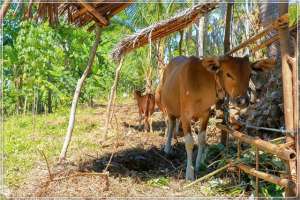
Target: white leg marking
171	124
189	145
201	149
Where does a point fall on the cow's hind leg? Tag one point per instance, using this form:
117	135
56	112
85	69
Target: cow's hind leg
189	145
201	143
146	124
171	126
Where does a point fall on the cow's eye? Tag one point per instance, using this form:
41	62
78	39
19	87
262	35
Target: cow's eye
229	76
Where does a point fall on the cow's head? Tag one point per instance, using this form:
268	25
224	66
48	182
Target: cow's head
137	94
234	73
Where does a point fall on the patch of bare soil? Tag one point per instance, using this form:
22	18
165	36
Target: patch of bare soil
134	159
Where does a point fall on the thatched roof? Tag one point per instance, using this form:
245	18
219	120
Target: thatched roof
161	29
80	13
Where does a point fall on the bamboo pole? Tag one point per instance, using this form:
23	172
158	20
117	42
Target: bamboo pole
77	93
283	33
285	154
270	41
283	182
262	33
208	175
112	95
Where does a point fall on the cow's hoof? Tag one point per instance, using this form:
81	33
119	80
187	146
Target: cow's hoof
167	150
189	175
201	167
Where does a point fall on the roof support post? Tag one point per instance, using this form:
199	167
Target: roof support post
287	92
112	96
79	85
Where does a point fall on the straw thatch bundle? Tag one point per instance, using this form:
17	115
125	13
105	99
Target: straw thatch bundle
161	29
80	13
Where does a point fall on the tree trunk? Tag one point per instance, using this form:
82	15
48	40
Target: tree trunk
77	93
228	27
4	9
268	13
180	42
49	101
224	135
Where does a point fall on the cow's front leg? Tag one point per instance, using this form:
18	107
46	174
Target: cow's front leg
201	154
189	145
201	150
171	126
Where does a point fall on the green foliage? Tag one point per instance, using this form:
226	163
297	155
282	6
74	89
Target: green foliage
159	182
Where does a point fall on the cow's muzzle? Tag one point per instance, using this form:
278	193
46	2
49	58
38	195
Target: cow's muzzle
242	101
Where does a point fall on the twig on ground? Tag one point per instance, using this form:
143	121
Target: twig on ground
208	175
47	163
157	153
110	159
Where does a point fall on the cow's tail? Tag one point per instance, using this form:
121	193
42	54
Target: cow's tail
157	96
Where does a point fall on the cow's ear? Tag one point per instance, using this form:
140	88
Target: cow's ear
264	65
211	64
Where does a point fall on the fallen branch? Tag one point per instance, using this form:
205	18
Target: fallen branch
208	175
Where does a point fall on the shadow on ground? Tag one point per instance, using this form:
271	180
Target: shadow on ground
140	163
156	126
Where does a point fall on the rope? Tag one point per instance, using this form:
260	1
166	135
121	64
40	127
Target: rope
280	130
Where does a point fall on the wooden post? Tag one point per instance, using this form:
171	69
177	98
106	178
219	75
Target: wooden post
112	96
3	11
283	33
77	93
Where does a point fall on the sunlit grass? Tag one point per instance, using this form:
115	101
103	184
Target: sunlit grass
25	135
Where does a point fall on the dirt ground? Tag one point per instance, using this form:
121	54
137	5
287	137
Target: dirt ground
138	166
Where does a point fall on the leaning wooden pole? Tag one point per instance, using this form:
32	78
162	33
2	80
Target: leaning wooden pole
3	11
77	93
112	96
283	33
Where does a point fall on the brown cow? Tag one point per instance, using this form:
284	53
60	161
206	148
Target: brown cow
146	104
191	86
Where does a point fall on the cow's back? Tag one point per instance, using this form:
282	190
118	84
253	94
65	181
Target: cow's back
187	85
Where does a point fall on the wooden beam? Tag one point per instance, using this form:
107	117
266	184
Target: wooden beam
273	25
94	12
82	11
120	8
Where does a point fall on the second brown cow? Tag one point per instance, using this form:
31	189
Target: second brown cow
146	105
